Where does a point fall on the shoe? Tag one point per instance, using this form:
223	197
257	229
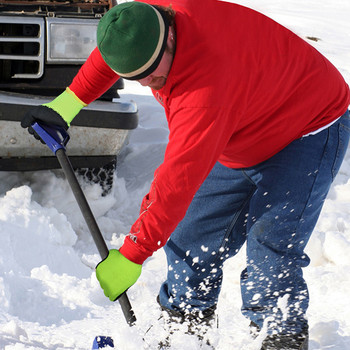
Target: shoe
196	323
254	330
298	341
282	341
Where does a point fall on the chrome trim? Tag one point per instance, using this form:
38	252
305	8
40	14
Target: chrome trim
40	39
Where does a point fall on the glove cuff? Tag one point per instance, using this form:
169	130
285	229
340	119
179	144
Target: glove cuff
67	105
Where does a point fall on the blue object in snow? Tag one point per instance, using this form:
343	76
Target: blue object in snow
101	342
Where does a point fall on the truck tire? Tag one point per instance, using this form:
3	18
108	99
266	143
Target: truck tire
102	176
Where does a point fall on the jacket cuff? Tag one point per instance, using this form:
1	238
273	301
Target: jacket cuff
134	252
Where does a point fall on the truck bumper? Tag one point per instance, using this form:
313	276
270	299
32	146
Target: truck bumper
97	134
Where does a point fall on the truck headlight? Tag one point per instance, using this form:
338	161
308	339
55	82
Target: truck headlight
70	40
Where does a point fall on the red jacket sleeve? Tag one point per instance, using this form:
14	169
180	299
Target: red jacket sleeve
93	79
196	140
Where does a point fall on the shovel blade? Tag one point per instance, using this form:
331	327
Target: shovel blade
101	342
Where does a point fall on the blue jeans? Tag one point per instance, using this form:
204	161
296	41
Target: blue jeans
273	207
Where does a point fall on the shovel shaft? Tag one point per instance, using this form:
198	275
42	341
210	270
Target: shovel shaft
56	139
82	202
92	225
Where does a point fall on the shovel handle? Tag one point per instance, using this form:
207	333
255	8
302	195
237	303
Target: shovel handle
92	225
57	138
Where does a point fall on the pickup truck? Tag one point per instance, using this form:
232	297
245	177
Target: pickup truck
42	46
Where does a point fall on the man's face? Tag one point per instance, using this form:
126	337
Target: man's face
154	82
157	79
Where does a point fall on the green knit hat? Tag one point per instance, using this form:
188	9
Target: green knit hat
132	38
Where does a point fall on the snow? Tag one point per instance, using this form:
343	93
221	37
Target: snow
49	295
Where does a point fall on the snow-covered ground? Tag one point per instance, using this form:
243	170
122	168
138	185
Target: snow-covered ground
49	296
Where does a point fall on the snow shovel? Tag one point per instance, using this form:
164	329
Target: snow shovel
56	138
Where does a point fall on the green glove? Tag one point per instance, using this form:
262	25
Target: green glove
61	111
67	105
116	274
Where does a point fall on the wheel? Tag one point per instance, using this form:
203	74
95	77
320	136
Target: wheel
102	176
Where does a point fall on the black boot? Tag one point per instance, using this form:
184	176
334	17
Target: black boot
298	341
196	323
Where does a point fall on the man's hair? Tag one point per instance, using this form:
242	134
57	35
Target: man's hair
168	12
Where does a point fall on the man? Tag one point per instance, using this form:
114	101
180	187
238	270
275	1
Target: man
258	127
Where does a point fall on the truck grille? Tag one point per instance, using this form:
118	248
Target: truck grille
21	47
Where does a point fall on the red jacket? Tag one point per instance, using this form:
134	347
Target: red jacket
241	88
